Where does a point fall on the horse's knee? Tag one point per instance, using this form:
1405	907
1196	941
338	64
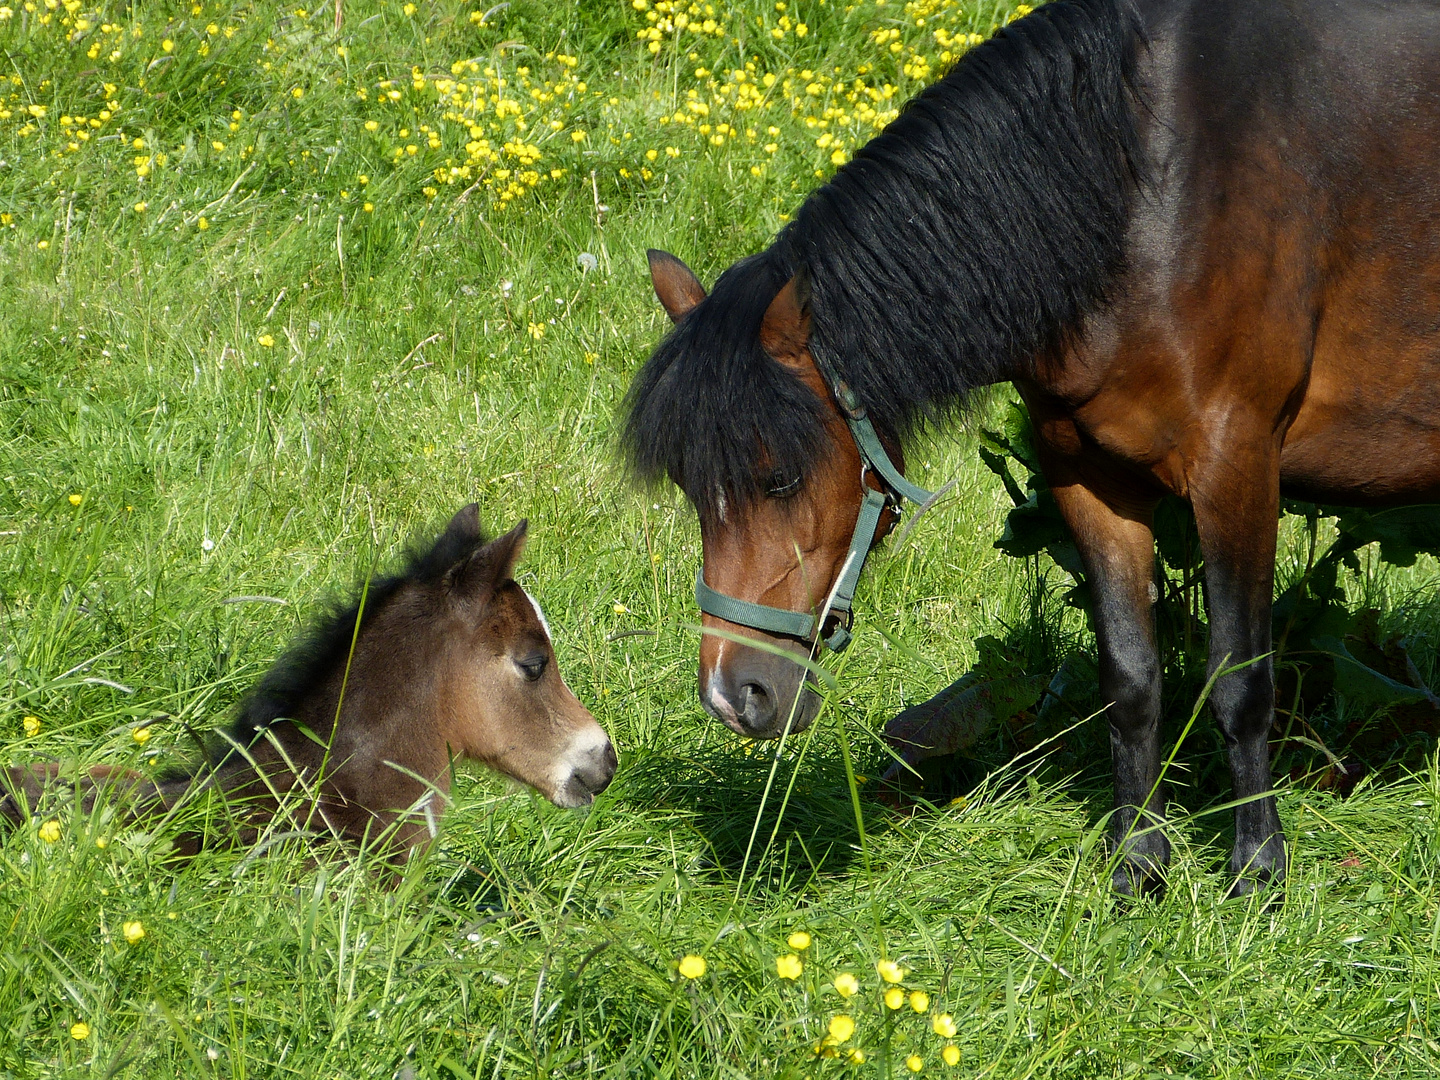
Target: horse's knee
1131	683
1243	702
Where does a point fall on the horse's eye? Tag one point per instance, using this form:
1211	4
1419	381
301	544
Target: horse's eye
777	487
532	667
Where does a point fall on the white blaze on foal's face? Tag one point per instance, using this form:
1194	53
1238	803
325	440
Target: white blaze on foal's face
589	759
533	727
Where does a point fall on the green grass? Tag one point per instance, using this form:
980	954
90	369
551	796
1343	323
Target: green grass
445	347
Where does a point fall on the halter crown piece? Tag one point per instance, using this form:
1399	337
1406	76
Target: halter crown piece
802	624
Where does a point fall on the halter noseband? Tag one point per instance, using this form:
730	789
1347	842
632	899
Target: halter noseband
801	624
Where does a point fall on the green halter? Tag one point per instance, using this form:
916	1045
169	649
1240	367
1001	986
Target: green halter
801	624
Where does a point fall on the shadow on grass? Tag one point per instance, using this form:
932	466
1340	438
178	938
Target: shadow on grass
721	789
1322	740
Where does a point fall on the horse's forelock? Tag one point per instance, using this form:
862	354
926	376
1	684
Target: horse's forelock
711	410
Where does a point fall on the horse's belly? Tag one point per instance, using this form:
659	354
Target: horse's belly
1367	432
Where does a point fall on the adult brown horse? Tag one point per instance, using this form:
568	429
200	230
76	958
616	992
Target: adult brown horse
354	729
1202	237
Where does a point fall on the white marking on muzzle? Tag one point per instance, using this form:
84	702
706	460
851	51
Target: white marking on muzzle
584	750
717	699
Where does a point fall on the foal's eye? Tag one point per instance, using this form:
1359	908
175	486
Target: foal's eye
778	487
532	667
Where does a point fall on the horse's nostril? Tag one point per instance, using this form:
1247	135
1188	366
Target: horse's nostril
755	705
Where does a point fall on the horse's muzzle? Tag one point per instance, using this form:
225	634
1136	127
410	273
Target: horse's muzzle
757	694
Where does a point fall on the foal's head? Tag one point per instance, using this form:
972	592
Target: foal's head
777	510
451	657
500	693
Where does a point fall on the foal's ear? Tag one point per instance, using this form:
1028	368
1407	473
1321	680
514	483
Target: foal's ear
785	330
465	525
675	284
490	567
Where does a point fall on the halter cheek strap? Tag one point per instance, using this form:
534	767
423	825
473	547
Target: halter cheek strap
801	624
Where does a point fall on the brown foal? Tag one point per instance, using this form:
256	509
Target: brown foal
354	729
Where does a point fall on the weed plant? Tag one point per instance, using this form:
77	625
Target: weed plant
283	287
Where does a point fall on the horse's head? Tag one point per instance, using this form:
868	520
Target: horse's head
501	694
785	547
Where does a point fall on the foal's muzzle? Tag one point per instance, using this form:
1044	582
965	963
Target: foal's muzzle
591	764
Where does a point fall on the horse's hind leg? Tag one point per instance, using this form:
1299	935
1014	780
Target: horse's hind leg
1118	548
1236	520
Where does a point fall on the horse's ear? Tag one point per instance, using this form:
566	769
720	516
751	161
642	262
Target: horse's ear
785	330
675	284
487	569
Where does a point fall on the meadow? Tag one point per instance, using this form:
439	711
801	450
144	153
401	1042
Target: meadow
280	290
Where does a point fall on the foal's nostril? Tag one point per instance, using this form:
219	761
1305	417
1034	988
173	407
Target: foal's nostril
606	771
598	769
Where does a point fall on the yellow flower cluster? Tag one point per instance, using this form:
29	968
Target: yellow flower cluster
675	21
745	82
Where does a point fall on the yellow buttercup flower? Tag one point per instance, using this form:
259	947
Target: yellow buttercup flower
788	966
692	966
76	499
32	726
856	1056
950	1055
846	985
298	92
920	1001
50	831
141	207
944	1026
799	941
133	931
203	224
167	45
620	609
894	998
80	1031
266	340
890	971
841	1027
914	1063
141	735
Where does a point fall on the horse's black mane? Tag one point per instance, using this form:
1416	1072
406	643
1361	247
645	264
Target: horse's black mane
325	646
965	241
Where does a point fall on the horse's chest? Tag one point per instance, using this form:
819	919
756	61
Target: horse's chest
1133	422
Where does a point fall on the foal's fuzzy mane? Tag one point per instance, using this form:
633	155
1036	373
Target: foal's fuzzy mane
962	243
325	646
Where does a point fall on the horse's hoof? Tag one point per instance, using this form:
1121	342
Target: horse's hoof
1262	871
1137	878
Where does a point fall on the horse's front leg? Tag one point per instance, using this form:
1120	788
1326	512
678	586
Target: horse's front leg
1236	510
1117	546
